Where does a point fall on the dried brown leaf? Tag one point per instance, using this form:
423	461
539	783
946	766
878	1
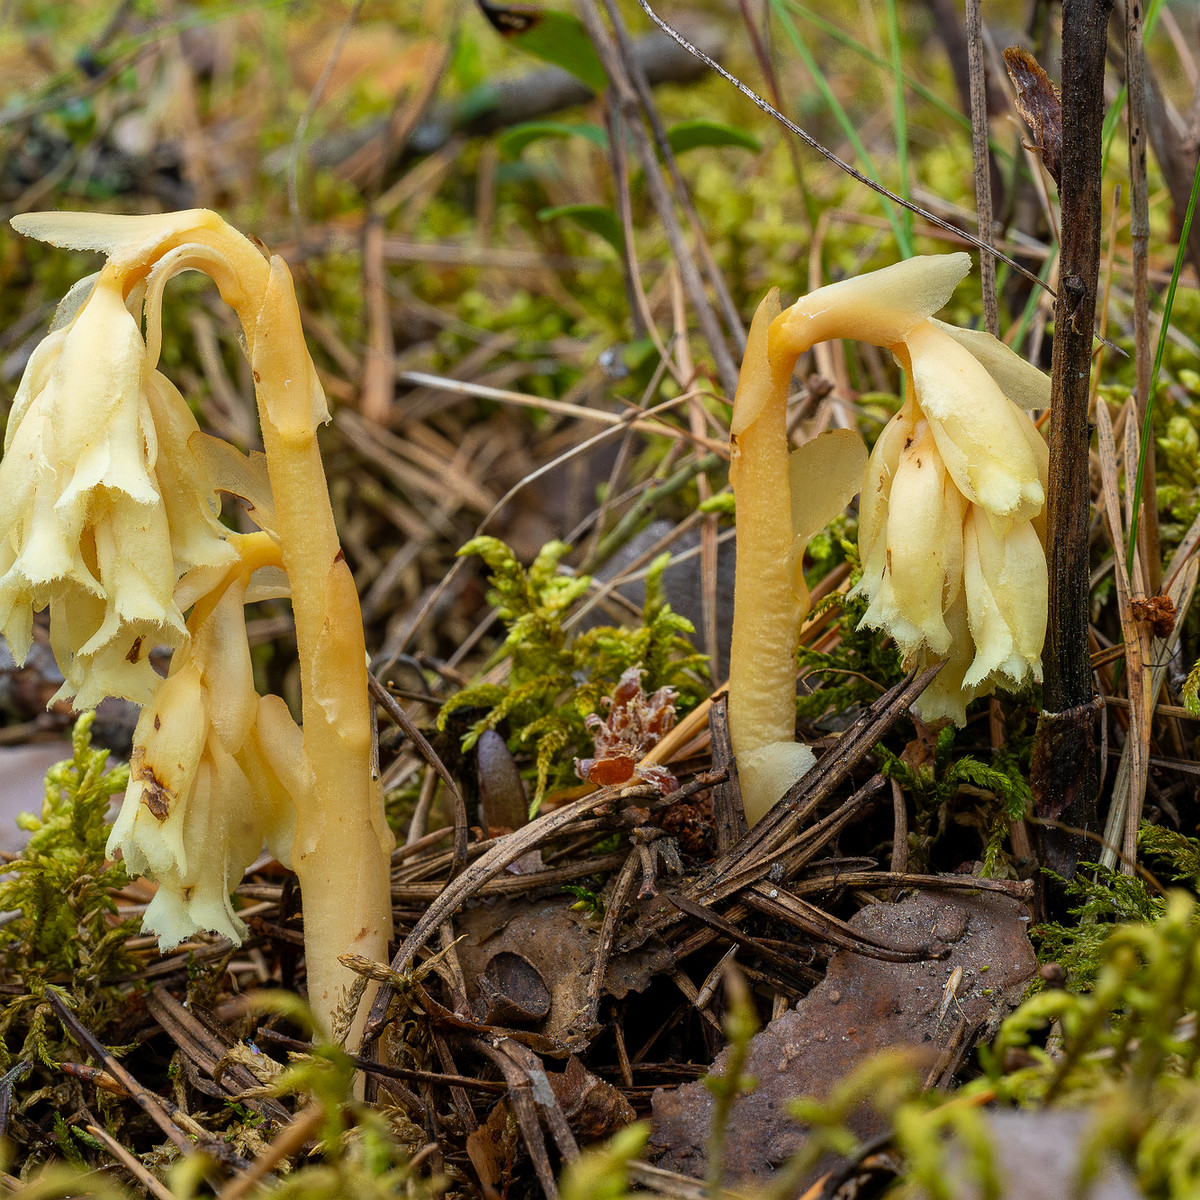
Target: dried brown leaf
1040	106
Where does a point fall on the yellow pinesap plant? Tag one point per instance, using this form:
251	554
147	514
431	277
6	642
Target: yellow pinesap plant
951	533
109	518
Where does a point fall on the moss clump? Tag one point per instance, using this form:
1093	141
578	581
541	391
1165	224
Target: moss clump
67	931
556	680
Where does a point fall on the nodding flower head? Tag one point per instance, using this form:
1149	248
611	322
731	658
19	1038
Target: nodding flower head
215	767
102	503
950	524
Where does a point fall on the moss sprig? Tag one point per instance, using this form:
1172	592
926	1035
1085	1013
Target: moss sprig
67	931
936	783
556	679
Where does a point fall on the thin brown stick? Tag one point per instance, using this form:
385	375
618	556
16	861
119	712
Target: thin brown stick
379	367
784	906
387	702
288	1141
131	1164
828	154
1137	642
764	61
604	944
1064	768
520	1099
543	1096
899	829
983	173
146	1100
1018	889
728	813
708	264
505	852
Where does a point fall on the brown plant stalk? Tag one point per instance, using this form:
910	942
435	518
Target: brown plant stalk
1064	761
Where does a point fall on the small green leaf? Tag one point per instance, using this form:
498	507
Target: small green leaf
518	137
688	135
554	37
595	218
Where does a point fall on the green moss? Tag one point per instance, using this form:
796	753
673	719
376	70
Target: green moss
555	679
66	931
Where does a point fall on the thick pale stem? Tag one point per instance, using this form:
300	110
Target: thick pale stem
762	658
770	597
342	848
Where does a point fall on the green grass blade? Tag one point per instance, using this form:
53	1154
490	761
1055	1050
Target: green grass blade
943	106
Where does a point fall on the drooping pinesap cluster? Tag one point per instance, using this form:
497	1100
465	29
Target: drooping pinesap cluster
109	513
102	503
108	516
950	532
950	525
216	769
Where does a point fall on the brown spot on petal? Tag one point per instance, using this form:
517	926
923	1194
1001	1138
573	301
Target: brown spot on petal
157	722
135	651
188	892
155	796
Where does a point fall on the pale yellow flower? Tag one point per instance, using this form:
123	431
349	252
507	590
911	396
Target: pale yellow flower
102	504
950	525
216	769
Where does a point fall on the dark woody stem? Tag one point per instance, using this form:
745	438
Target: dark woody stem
1064	760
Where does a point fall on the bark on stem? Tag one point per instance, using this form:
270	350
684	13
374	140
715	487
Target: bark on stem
1064	763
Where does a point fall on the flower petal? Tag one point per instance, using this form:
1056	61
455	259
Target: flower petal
122	237
873	502
1005	584
220	643
188	493
924	539
167	745
823	475
1020	381
880	307
946	698
978	429
38	370
95	401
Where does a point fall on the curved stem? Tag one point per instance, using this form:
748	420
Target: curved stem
342	849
